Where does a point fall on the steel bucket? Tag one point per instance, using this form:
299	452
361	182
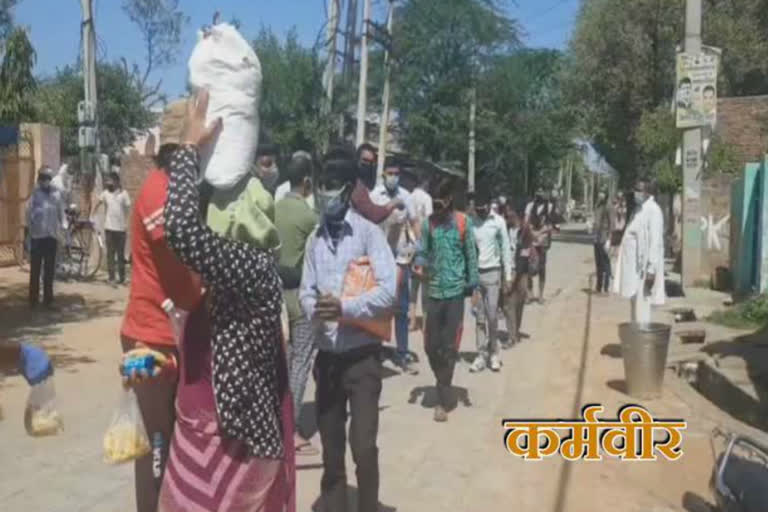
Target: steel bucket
644	348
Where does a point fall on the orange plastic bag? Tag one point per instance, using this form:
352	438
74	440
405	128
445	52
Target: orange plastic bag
358	280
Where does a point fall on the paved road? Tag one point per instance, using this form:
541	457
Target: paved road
460	465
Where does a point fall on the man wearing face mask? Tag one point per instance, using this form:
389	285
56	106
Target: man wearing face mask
447	261
266	167
640	267
494	259
366	181
45	217
295	222
398	228
117	204
348	369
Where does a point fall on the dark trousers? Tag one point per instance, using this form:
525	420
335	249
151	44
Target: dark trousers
514	304
42	256
603	265
442	337
352	378
401	311
157	404
115	253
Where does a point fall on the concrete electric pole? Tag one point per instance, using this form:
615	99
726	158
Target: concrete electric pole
88	134
362	95
330	66
384	122
472	142
692	164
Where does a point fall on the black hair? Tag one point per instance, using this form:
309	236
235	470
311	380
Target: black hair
686	80
267	149
443	188
364	147
298	169
392	163
163	157
482	198
709	88
339	163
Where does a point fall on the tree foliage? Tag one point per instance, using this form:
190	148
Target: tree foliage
121	110
620	76
6	18
160	23
441	48
292	92
17	83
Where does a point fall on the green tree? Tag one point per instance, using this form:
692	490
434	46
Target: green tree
6	18
121	109
441	50
292	91
521	120
17	83
160	23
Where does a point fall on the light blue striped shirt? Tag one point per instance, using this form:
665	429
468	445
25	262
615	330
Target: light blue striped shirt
325	266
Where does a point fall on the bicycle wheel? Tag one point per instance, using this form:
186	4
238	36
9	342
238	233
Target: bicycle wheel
21	249
87	251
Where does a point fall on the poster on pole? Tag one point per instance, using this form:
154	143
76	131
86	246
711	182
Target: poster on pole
696	94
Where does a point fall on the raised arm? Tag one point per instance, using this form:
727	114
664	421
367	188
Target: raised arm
224	263
470	253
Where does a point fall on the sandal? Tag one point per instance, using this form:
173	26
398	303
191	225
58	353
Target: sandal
306	449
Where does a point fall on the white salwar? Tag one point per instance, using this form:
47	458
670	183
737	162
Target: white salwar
642	254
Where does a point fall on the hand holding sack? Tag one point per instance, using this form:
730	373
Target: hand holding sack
358	280
224	64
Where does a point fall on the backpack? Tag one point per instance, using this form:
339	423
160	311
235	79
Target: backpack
461	224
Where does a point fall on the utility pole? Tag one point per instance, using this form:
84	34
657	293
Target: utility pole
330	66
384	122
472	142
88	135
362	95
692	164
351	40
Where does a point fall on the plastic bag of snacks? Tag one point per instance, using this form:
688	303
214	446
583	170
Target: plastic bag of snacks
126	438
41	418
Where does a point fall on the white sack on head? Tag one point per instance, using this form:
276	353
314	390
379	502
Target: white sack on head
227	66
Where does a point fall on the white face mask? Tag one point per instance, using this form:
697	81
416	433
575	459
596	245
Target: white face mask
269	176
639	197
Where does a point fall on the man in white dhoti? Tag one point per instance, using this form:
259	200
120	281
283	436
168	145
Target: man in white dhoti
640	267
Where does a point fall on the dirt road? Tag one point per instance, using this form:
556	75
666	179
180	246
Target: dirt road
567	361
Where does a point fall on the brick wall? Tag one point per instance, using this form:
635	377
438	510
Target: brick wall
743	124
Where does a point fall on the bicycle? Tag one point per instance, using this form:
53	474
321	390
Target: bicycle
740	474
82	248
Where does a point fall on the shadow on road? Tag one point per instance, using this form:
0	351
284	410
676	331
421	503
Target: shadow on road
428	396
611	350
567	467
319	506
18	321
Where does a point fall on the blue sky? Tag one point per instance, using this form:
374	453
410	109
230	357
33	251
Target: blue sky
55	27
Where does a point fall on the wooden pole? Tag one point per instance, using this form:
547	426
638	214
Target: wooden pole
384	123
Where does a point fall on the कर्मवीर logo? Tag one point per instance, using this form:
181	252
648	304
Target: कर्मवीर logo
630	437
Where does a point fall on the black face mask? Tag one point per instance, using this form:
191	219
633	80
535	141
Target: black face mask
482	212
111	188
367	174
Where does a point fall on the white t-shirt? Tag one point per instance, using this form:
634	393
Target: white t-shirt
397	226
421	204
118	205
282	190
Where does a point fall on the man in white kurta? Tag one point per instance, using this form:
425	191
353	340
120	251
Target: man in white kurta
640	268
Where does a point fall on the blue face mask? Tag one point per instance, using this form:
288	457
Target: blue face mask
391	181
331	204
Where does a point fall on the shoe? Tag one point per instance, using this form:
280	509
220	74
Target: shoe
440	415
478	365
495	363
406	368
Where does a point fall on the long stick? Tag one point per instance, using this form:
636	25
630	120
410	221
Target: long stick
384	124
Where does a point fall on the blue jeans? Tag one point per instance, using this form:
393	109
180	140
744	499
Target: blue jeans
401	311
